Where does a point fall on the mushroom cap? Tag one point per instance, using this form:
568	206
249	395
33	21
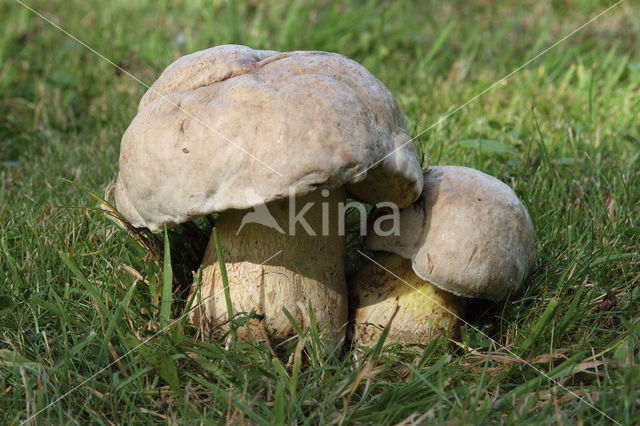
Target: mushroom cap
468	234
231	128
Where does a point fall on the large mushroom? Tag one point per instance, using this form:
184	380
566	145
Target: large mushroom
273	142
467	236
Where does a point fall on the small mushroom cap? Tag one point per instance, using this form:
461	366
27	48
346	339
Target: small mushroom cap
231	128
468	234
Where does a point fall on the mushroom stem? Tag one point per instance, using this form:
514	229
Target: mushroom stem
268	269
425	311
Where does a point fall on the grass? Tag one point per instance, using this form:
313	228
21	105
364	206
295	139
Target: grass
78	294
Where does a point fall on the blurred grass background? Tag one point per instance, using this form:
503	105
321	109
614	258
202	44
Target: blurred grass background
564	132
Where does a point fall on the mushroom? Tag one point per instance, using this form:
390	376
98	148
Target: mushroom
467	236
273	142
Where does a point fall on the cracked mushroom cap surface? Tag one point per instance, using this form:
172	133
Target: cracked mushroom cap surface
468	234
231	128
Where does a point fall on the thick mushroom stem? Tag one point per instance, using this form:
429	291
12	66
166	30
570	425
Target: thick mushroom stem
269	267
424	312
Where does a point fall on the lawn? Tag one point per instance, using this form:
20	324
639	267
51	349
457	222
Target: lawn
81	336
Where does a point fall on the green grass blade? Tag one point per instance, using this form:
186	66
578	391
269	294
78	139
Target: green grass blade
488	146
83	280
293	322
543	322
246	409
225	282
279	404
167	282
56	310
11	263
118	313
438	42
377	349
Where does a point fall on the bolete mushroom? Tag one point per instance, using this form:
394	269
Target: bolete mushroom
273	142
467	236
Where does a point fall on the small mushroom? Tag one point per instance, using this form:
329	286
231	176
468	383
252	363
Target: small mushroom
273	142
467	236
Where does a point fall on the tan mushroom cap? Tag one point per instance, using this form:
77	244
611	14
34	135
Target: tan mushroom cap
468	234
231	128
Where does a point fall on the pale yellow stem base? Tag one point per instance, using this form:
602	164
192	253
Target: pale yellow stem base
425	311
